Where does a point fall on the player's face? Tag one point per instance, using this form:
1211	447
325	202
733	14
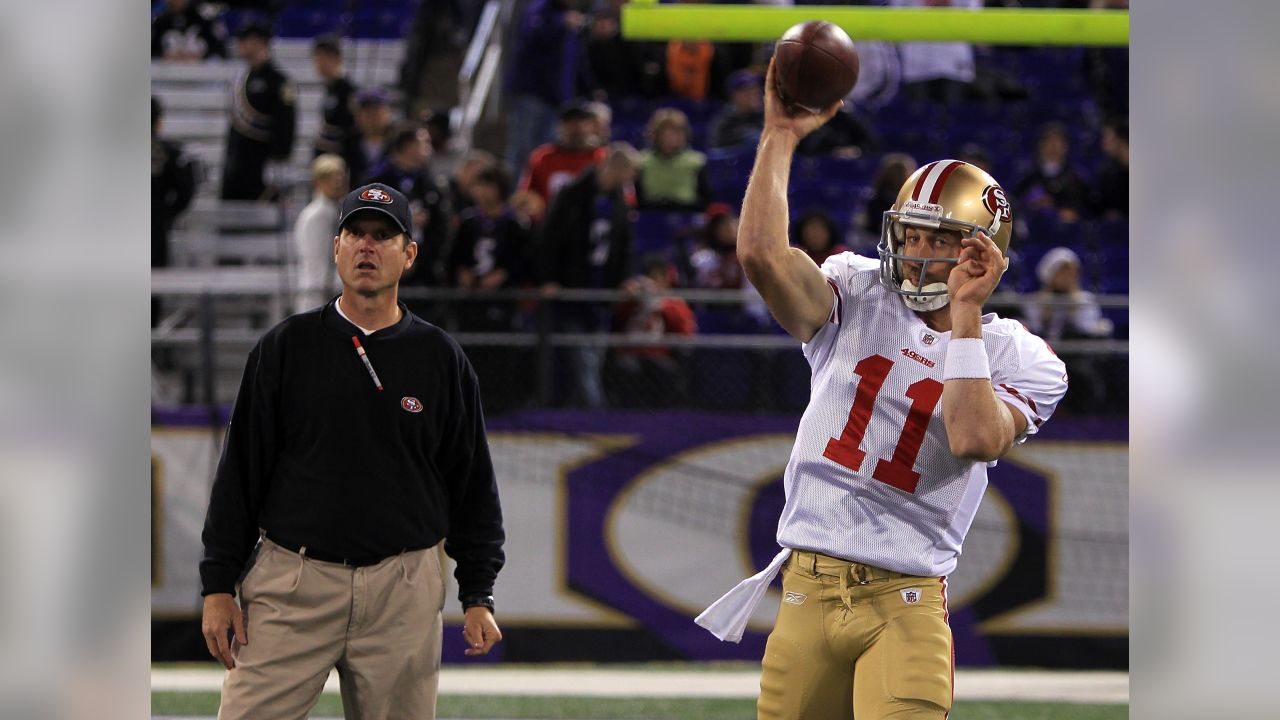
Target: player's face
929	243
372	254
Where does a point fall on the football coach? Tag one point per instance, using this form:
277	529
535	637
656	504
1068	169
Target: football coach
356	449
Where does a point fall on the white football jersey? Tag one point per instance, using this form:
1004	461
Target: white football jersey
871	476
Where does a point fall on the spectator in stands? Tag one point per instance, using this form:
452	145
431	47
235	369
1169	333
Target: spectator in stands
338	134
173	185
845	135
187	31
617	67
692	69
490	251
741	122
374	126
651	375
603	115
1062	310
464	173
542	73
446	151
315	275
816	234
577	146
1111	190
940	72
586	242
492	245
438	26
976	155
894	170
406	169
672	176
716	264
263	121
1053	185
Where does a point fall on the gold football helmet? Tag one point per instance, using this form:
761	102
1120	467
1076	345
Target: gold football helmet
947	194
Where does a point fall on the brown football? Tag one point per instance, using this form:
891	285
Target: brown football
815	65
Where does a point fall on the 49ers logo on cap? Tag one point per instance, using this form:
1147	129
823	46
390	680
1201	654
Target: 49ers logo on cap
997	204
412	404
376	195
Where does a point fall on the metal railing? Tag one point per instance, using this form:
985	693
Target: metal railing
479	71
214	316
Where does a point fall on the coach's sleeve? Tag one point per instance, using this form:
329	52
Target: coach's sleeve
475	534
231	524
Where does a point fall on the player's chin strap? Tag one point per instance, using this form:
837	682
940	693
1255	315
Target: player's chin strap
924	303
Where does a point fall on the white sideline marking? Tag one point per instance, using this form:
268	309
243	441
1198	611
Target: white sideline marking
1028	685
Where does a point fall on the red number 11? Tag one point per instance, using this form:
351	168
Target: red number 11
897	471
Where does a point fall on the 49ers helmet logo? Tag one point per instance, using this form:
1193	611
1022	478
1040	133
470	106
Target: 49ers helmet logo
412	404
997	204
376	195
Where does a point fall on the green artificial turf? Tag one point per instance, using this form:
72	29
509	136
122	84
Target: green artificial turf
580	708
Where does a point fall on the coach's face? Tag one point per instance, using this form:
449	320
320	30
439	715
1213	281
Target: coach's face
372	253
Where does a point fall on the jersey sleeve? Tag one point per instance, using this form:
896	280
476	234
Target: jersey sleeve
1034	383
848	275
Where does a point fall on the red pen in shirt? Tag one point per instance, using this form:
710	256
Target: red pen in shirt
367	365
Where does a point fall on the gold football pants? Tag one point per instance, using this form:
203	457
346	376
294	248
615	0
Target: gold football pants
856	641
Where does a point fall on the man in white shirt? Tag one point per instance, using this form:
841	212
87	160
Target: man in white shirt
315	279
914	393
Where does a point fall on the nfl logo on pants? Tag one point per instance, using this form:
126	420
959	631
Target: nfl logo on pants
911	596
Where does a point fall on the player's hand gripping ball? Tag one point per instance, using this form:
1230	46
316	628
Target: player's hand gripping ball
816	65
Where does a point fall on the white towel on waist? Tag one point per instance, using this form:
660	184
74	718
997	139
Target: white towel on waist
727	617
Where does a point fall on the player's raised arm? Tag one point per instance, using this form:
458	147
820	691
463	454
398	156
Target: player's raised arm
792	286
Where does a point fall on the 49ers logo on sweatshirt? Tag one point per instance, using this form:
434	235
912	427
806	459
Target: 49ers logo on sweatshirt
412	404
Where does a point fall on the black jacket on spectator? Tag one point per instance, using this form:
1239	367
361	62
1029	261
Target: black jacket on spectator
263	123
587	236
195	29
173	184
337	121
1066	188
484	244
1111	190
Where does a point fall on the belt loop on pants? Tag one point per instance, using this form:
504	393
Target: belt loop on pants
404	570
302	560
860	572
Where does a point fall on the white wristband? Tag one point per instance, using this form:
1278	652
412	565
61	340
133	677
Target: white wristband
966	359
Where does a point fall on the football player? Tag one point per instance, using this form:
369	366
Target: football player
914	393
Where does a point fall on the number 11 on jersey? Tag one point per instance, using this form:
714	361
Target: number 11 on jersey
897	471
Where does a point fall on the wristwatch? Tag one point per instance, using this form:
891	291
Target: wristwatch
477	601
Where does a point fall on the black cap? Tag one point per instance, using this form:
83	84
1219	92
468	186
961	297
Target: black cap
376	197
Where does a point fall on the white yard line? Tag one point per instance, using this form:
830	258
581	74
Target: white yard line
1031	685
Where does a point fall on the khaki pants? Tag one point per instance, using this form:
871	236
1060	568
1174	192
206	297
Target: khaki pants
379	625
855	641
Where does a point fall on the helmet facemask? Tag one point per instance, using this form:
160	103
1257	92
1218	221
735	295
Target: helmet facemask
943	195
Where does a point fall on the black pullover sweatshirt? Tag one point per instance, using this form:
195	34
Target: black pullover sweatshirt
317	455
